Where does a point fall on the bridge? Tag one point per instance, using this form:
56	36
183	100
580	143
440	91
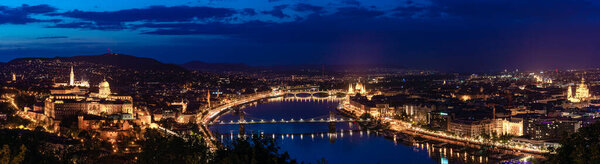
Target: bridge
214	112
313	92
306	99
273	121
331	120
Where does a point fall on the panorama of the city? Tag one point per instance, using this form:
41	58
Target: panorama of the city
284	81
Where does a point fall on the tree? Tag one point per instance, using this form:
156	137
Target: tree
19	158
254	150
5	155
580	147
157	148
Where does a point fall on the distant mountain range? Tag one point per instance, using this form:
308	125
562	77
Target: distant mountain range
119	60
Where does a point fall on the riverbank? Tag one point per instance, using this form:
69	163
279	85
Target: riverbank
393	133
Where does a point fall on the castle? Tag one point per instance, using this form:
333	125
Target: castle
77	99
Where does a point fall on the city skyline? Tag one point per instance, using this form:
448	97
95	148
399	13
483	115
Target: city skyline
300	81
457	36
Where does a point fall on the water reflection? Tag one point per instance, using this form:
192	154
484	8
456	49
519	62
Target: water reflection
349	143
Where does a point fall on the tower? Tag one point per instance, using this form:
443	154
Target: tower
569	93
14	77
208	98
72	77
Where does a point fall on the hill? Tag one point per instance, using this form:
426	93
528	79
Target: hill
114	59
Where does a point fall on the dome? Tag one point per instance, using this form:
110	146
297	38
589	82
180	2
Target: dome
104	84
104	90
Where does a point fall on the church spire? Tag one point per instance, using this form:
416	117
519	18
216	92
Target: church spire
208	98
72	77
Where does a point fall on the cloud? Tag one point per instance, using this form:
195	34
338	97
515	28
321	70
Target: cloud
52	37
500	11
303	7
357	12
207	29
418	12
22	14
89	25
351	2
153	13
248	11
277	11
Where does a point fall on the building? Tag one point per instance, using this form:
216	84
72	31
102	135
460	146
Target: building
418	112
470	128
439	120
582	93
549	128
72	82
358	88
512	126
76	99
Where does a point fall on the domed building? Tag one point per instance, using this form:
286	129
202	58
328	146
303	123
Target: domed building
582	93
357	88
64	102
104	89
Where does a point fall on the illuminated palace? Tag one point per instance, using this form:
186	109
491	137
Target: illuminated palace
77	99
582	93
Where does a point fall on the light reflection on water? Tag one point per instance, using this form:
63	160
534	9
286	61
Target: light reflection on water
310	142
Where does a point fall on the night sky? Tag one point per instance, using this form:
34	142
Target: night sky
454	35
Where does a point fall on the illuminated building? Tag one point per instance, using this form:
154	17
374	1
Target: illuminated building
104	89
513	127
14	77
541	79
582	93
64	102
357	88
470	128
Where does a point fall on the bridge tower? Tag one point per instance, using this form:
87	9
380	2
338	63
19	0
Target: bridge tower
242	123
331	122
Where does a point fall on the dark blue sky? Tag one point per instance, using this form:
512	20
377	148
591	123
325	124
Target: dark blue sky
447	35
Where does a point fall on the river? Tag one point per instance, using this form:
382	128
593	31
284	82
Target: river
312	142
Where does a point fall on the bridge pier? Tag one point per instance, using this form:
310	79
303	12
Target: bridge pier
331	122
332	127
242	128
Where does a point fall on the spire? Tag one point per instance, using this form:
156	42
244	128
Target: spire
208	98
569	93
72	77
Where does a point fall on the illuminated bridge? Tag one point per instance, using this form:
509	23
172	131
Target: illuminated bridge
313	92
273	121
331	119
